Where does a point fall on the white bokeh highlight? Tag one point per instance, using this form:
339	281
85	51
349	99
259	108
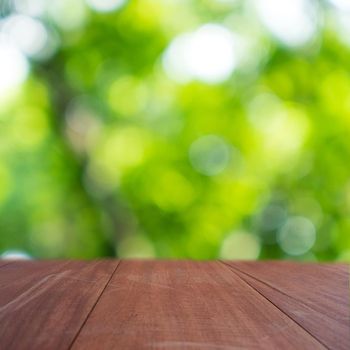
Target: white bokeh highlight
341	4
27	33
208	54
291	22
15	255
13	66
105	5
35	8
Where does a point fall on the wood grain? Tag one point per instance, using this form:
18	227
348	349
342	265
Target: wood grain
18	276
4	262
44	304
316	296
186	305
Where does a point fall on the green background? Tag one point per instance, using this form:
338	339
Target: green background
104	153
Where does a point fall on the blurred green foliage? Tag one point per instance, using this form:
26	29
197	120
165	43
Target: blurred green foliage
105	149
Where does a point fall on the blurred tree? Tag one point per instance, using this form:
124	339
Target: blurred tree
201	129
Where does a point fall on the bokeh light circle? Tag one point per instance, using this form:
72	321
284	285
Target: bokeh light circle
291	22
105	5
29	34
240	245
297	236
207	54
209	155
15	255
13	66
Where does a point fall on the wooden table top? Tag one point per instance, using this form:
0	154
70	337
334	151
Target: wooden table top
145	304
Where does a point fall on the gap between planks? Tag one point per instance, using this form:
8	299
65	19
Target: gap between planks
103	307
93	307
233	270
263	282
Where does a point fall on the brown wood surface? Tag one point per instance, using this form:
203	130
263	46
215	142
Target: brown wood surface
311	294
4	262
162	305
173	305
44	304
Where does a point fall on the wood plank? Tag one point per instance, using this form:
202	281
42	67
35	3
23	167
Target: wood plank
316	296
186	305
18	276
4	262
44	304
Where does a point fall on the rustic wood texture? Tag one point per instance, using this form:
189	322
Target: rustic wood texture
311	294
173	305
186	305
44	304
4	262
